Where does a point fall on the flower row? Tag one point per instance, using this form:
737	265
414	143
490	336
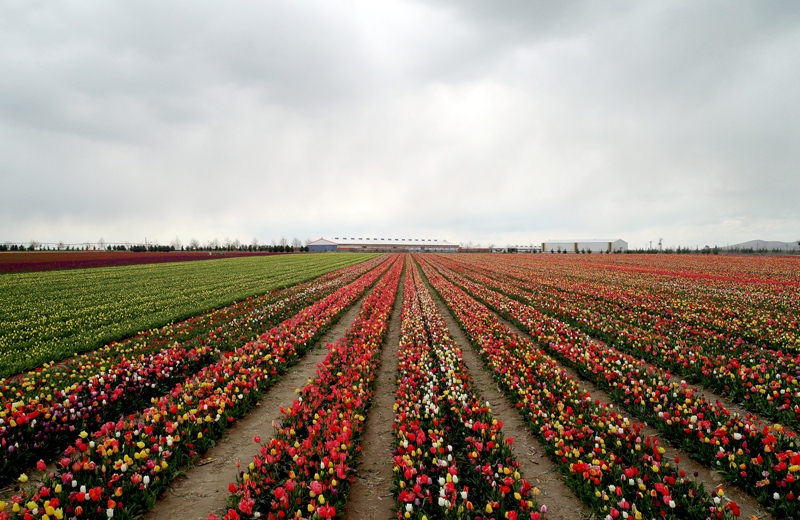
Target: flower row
764	381
581	301
42	431
36	429
52	379
610	465
53	315
307	467
120	469
760	458
451	459
738	268
751	309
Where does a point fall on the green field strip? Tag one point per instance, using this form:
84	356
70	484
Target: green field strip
47	316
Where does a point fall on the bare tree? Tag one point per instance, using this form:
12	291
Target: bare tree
194	244
308	241
236	243
283	241
101	243
60	246
254	243
227	244
296	243
34	245
213	244
176	243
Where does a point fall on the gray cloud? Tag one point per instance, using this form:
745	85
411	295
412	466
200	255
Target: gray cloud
494	122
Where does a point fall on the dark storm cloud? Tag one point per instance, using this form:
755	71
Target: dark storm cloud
490	121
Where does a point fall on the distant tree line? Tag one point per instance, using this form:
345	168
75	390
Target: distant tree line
282	246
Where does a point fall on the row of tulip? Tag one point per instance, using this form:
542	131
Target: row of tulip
51	378
754	310
119	470
765	381
451	459
760	458
42	430
742	268
305	470
613	469
33	429
725	310
53	315
579	300
677	318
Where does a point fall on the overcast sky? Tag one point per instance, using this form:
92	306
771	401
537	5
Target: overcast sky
483	121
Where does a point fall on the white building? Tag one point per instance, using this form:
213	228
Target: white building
594	245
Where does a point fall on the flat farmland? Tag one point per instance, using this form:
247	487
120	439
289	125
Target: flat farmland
49	315
430	386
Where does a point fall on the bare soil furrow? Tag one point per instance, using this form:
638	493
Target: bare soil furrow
204	488
370	496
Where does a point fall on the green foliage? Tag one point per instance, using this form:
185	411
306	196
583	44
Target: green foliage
49	315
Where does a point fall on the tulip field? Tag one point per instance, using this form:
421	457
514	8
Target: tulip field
451	457
47	405
657	386
50	315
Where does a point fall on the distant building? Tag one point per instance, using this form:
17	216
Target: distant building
321	246
593	245
382	245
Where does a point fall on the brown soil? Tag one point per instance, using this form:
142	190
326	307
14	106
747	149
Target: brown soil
204	489
35	479
710	478
535	465
370	496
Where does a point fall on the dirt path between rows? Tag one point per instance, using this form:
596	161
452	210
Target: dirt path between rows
710	478
204	489
370	496
535	465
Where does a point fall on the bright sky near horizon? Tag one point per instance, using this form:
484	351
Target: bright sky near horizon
492	122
